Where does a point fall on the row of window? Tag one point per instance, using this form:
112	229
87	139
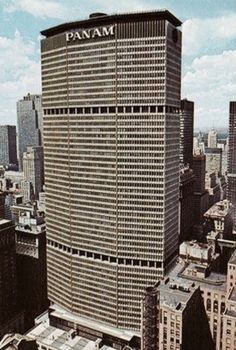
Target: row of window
102	257
112	109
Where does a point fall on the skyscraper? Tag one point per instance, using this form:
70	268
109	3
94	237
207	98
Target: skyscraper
231	191
8	145
111	99
212	139
33	169
186	132
29	124
201	196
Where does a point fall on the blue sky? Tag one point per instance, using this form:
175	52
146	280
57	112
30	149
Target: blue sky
209	48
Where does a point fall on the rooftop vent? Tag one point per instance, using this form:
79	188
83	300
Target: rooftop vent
97	14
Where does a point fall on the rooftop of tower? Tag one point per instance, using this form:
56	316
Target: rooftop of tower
103	19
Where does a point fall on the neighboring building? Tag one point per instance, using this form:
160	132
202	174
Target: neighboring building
213	187
179	317
11	319
18	342
229	323
44	337
220	216
229	316
31	266
195	144
13	177
19	209
29	123
223	187
199	169
150	320
212	139
186	203
186	132
41	202
199	263
201	196
231	176
11	198
213	160
8	153
111	136
62	319
27	191
201	142
33	172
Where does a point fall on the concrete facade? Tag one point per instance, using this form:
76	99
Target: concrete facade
111	137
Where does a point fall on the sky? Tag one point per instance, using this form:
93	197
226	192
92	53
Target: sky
209	49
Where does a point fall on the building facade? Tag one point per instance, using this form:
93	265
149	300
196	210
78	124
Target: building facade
213	160
29	124
111	99
186	132
231	176
8	153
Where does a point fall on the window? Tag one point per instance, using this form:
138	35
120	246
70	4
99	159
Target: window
208	305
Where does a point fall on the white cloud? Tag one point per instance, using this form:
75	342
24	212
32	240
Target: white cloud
121	5
72	9
37	8
200	33
19	73
211	84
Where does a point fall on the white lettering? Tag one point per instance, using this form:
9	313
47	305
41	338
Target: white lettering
96	32
90	33
77	35
69	36
108	31
86	34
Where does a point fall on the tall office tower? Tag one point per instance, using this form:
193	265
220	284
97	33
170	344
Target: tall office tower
186	132
10	318
8	153
199	167
111	99
212	139
31	265
33	169
231	190
201	196
186	203
29	124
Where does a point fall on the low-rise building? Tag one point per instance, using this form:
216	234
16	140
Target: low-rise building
31	265
217	289
11	316
174	316
220	217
